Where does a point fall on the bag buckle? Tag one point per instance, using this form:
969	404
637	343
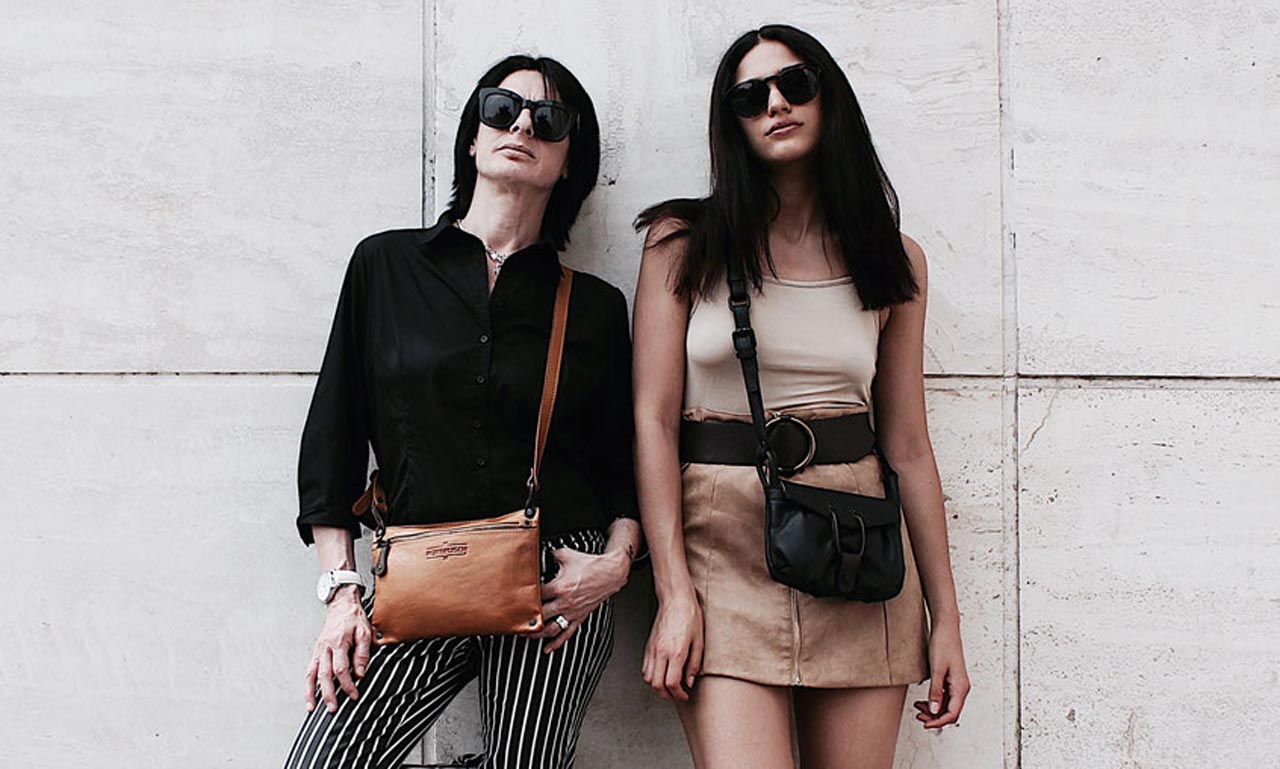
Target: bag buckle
531	486
805	430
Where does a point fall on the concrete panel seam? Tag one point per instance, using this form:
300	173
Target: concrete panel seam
1012	556
961	381
144	374
427	746
430	23
1012	685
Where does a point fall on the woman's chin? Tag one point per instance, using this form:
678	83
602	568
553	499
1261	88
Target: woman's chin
516	173
787	157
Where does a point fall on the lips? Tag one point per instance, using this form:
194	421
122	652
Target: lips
517	148
784	124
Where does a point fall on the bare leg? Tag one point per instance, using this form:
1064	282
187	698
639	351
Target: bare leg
733	724
848	728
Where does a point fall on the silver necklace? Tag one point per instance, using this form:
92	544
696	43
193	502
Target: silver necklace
496	257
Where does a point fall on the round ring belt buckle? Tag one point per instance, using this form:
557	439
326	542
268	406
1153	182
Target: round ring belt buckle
808	434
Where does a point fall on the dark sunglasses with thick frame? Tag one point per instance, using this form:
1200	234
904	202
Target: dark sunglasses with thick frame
552	120
798	84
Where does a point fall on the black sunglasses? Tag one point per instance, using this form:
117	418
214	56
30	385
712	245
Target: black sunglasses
797	84
552	120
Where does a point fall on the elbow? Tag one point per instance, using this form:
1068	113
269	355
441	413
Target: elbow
656	424
908	451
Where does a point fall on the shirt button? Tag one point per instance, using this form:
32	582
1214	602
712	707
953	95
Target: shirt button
480	379
480	462
484	339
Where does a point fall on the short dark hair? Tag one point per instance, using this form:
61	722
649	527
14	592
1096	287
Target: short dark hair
858	201
584	145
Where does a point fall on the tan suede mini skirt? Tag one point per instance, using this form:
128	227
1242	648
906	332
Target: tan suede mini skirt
759	630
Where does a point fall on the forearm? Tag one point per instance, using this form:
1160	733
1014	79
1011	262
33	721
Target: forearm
335	546
623	545
659	490
922	506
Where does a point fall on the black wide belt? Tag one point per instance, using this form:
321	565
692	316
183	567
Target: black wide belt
796	443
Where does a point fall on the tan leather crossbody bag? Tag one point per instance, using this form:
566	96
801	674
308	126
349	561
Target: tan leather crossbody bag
476	577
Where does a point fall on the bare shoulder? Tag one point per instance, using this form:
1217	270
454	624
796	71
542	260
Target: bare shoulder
920	271
667	236
665	243
919	266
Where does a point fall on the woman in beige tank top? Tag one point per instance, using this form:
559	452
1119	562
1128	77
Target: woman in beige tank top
838	309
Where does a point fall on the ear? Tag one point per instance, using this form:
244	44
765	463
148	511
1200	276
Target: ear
564	173
472	150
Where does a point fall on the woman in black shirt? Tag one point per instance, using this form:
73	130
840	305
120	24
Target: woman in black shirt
436	359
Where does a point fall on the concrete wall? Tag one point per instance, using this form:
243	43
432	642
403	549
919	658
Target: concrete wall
1097	187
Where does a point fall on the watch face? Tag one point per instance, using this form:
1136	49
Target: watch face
324	588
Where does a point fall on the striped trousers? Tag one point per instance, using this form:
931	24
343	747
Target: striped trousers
531	703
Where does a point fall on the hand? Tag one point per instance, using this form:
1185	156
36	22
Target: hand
583	582
949	681
341	649
673	655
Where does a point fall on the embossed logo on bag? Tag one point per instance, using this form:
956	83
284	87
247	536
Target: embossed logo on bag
446	551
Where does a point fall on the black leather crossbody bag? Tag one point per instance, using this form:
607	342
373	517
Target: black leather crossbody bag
825	542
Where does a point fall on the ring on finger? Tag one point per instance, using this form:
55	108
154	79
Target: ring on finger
562	621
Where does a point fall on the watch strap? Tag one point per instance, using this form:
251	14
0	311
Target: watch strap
333	579
346	577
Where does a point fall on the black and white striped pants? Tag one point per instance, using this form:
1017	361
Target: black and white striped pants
531	703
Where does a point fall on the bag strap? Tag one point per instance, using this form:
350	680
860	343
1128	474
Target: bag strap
744	346
374	498
550	380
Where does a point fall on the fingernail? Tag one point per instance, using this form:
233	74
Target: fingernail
933	708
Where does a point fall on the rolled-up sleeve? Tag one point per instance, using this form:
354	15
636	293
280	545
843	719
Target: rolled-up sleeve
615	427
334	454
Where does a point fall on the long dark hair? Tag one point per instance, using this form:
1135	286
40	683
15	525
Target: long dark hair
584	145
858	202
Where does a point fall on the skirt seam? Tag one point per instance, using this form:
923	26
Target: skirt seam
712	557
888	654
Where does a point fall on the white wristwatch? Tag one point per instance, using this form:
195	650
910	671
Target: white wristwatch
330	581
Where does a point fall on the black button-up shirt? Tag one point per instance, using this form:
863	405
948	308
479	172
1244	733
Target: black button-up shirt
444	380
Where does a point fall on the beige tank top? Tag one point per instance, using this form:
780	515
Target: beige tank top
816	345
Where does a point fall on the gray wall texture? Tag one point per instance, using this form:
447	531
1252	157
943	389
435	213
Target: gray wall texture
1097	186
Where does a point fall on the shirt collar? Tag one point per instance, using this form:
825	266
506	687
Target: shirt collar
443	223
446	221
540	251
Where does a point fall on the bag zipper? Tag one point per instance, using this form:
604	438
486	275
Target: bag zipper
382	547
455	530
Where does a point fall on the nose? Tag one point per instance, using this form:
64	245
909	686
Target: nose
777	102
524	123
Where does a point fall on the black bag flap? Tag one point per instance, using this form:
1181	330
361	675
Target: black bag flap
874	511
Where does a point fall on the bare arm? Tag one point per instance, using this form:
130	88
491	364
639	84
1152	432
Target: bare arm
624	543
336	548
904	432
342	647
673	656
659	328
